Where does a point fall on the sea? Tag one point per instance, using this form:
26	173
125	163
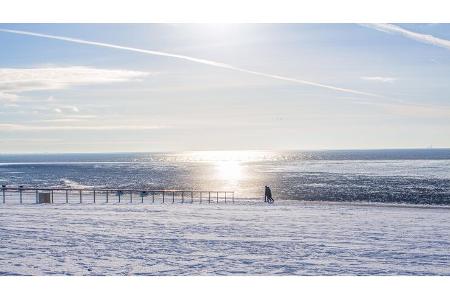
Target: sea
413	176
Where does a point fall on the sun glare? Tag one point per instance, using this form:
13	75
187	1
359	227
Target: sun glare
229	170
228	166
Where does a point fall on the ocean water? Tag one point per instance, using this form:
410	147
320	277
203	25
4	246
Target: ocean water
397	176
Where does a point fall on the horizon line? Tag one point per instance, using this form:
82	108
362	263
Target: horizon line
246	150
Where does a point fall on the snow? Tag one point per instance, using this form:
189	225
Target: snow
252	238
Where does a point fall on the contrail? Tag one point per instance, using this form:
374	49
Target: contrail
420	37
192	59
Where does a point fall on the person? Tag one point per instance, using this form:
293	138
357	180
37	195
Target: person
266	193
269	195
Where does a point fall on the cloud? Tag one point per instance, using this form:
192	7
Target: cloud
417	110
67	109
192	59
28	127
420	37
379	78
7	96
73	108
71	119
14	81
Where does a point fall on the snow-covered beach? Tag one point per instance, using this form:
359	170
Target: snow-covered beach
245	238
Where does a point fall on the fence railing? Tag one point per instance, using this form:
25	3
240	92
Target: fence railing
22	194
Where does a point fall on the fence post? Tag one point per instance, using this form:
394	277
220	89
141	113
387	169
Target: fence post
67	196
52	196
37	197
94	196
3	193
209	197
217	197
81	198
225	197
20	191
131	196
119	193
107	196
153	197
182	197
163	196
173	197
192	197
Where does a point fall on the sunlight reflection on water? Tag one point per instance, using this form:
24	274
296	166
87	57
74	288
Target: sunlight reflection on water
229	156
414	176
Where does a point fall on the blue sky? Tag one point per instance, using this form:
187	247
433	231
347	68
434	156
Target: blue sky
369	87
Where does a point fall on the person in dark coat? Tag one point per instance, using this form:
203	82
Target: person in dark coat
269	195
265	193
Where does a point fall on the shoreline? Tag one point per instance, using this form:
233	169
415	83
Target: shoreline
378	204
351	203
240	201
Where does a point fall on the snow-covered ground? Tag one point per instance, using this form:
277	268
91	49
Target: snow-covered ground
287	238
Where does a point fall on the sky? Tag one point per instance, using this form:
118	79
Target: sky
181	87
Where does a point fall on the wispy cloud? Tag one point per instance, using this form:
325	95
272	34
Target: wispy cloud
72	118
193	59
66	109
421	111
28	127
73	108
8	96
420	37
14	81
379	79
